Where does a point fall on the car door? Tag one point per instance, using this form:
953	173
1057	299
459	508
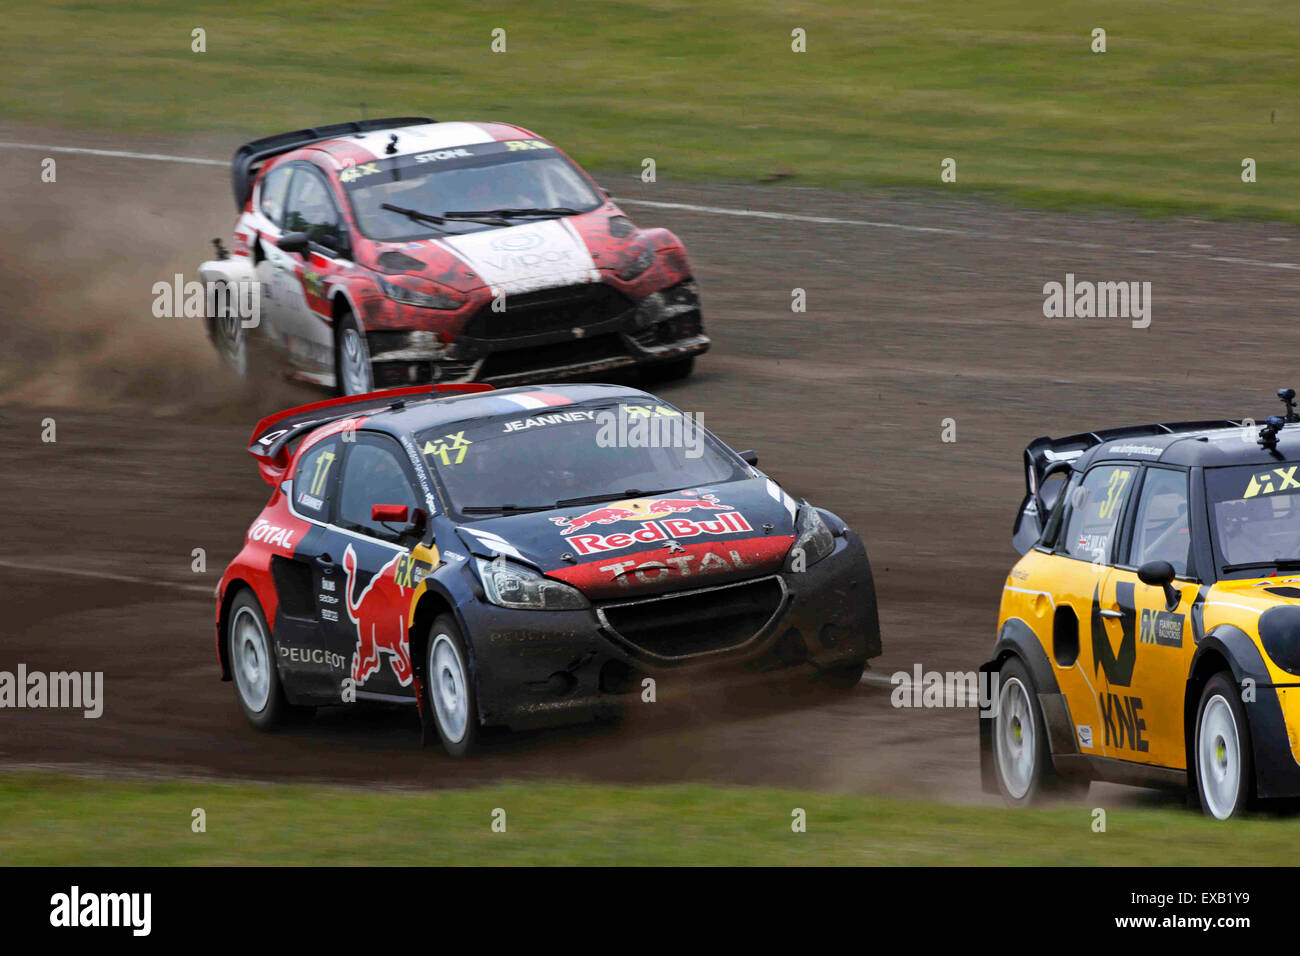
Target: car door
1144	705
377	568
308	583
1083	658
262	232
304	313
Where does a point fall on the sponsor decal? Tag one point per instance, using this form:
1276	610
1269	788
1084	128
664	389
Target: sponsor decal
1122	720
1118	667
1271	482
440	154
1085	736
271	534
518	145
517	241
648	572
558	418
1161	627
359	171
653	514
449	449
731	522
379	613
1134	450
313	655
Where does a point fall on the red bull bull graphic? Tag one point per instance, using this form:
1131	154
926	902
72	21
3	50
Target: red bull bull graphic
379	613
656	525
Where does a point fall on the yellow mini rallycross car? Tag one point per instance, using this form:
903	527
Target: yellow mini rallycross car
1150	633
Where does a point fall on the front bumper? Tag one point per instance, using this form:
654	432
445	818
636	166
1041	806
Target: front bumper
546	668
549	335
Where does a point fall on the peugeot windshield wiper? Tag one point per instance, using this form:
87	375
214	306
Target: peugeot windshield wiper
1279	563
610	496
512	213
502	509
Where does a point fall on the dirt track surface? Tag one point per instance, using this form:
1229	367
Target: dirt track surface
904	327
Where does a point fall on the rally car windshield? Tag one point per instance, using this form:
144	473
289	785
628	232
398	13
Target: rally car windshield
465	189
1256	517
558	457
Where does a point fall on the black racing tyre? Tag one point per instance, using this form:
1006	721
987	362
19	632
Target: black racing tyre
449	688
227	332
253	670
670	371
844	676
1224	764
353	374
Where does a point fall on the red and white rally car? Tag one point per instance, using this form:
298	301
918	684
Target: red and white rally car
395	251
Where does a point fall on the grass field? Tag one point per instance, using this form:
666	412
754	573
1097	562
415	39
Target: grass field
1009	89
52	819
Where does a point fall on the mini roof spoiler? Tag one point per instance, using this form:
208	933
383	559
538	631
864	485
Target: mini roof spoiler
250	157
1042	453
273	434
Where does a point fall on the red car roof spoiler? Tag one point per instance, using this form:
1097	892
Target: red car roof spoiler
273	434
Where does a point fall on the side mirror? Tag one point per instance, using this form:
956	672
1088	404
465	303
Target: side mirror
749	457
1160	574
294	242
391	514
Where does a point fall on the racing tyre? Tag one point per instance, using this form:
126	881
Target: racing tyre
671	371
844	676
228	334
253	667
449	688
1225	771
1022	756
352	371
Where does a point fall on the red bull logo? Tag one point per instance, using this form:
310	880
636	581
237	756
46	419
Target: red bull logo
379	613
656	523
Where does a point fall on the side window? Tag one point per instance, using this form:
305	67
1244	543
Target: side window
272	191
310	209
1161	531
315	480
1095	508
373	475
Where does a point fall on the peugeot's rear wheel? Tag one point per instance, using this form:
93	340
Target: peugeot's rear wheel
352	370
449	688
1224	765
252	664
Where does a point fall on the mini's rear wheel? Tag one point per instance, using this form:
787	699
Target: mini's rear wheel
1225	773
449	688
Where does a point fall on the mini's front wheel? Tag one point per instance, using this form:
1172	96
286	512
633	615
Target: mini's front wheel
1224	766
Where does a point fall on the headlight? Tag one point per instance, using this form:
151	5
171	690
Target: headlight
638	265
424	300
814	540
512	585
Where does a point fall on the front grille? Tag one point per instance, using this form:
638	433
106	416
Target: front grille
696	622
556	355
549	310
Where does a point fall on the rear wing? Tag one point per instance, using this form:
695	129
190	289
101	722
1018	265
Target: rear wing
1044	455
250	157
274	434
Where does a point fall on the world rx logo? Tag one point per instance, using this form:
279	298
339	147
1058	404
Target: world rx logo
1269	482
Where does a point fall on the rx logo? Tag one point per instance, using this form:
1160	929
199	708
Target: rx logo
356	172
450	449
1265	484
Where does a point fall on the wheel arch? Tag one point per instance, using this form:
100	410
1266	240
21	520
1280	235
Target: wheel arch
233	588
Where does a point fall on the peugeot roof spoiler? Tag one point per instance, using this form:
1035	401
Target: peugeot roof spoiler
274	433
250	157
